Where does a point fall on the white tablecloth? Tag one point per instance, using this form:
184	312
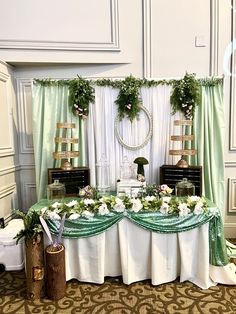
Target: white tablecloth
137	254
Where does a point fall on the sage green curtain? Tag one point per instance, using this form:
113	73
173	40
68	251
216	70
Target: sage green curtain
50	105
209	128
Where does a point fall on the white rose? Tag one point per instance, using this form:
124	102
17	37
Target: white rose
88	201
166	199
183	209
119	207
137	205
103	210
149	198
74	216
87	214
194	198
72	203
164	208
198	209
54	216
56	205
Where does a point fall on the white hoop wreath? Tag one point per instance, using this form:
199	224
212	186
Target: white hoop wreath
147	138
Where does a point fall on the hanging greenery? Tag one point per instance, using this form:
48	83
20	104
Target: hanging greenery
185	96
128	99
81	94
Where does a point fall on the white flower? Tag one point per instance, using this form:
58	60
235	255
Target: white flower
88	201
164	208
54	216
183	209
103	210
137	205
149	198
194	198
87	214
198	209
166	199
74	216
118	200
56	205
72	203
43	211
119	207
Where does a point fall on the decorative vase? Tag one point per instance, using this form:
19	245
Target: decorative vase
34	254
55	272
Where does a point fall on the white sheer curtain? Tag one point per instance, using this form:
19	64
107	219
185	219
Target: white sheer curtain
102	139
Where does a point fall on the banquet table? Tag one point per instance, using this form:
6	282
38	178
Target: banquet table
139	246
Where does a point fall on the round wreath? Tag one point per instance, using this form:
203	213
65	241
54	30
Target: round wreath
147	138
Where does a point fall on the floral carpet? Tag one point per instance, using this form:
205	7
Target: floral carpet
114	297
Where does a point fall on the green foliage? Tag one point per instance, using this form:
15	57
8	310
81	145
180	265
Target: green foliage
32	226
81	94
186	96
128	99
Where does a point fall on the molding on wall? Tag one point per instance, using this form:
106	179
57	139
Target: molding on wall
25	137
230	164
232	195
147	49
214	38
8	170
27	167
112	45
29	194
8	150
7	190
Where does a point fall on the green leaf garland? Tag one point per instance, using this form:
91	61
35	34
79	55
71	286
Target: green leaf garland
81	94
185	96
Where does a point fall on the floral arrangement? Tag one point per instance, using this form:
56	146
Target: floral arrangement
106	205
185	96
81	94
128	99
88	192
158	190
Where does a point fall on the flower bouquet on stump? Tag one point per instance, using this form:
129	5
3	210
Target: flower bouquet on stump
55	264
34	254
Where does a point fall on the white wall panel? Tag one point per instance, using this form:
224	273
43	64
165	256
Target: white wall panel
56	24
6	137
25	134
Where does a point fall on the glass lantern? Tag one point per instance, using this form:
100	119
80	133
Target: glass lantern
103	175
56	191
185	188
126	169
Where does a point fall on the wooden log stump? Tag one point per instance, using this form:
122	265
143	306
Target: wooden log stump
34	266
55	272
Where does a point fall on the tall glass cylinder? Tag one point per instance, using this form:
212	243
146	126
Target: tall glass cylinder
103	175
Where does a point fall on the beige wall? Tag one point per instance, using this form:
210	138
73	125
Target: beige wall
113	38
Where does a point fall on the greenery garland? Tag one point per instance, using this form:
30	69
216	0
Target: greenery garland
186	96
128	99
81	94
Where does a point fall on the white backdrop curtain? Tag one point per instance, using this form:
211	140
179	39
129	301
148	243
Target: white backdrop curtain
103	142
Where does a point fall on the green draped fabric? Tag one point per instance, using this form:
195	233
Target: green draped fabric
50	105
208	129
152	221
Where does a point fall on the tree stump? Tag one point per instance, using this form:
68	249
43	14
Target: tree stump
34	253
55	272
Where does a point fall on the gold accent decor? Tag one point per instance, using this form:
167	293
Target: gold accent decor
64	145
182	137
66	140
184	124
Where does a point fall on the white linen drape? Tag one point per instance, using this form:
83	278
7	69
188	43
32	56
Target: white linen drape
102	139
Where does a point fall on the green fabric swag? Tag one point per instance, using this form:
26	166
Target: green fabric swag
155	222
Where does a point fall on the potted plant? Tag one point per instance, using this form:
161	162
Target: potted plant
34	253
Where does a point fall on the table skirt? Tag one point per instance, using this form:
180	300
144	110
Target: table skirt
137	254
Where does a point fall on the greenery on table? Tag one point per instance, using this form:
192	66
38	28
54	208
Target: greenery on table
186	95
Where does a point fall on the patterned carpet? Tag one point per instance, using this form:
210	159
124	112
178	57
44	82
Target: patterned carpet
114	297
